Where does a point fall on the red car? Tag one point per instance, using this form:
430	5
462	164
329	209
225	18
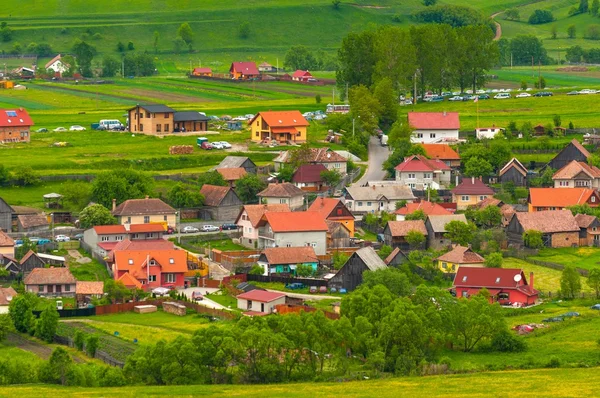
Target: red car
197	296
206	145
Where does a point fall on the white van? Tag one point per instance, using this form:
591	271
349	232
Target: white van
502	96
110	124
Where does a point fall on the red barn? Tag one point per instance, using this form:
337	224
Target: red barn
507	286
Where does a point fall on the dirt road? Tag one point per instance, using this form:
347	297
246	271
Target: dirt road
41	350
498	26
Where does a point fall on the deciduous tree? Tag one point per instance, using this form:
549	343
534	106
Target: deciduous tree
494	260
593	281
570	282
248	187
300	57
85	53
181	196
460	232
47	324
474	320
186	33
95	214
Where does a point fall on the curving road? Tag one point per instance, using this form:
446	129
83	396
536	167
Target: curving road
377	155
498	26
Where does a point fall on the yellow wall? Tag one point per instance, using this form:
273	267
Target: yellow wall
171	219
464	204
453	267
148	125
348	224
8	251
258	128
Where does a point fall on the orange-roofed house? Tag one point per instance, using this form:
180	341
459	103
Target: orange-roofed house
103	238
207	72
250	216
395	233
428	208
281	126
151	268
293	229
243	71
301	76
541	199
7	245
434	127
442	152
577	175
333	209
50	282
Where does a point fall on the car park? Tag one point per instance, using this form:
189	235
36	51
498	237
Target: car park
229	227
76	128
502	96
455	98
522	95
543	94
226	144
59	129
62	238
188	229
209	228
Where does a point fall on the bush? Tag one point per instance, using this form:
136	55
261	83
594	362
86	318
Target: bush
592	32
455	16
540	17
506	341
79	340
92	345
554	362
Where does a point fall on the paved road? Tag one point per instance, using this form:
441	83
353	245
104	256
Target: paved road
377	155
306	296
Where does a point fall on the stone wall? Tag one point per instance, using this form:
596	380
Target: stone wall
174	308
565	239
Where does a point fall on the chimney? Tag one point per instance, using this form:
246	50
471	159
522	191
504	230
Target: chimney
456	178
531	280
114	204
472	180
481	178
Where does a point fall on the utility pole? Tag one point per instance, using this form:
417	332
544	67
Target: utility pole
532	68
540	73
414	101
511	61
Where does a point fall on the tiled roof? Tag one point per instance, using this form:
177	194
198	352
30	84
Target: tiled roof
281	190
438	223
5	240
584	220
559	197
297	221
472	186
550	221
307	173
281	118
142	244
32	220
45	276
155	108
494	278
393	254
233	173
123	229
440	151
434	120
129	281
426	207
317	155
260	295
390	192
301	73
580	147
230	162
489	201
89	287
461	255
27	255
53	60
134	207
402	228
214	194
421	163
202	70
246	68
514	162
15	117
255	212
290	255
6	295
574	168
134	261
325	206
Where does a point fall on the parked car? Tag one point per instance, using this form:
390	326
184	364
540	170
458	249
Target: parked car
78	237
313	289
197	296
209	228
322	289
595	307
62	238
42	241
380	238
206	145
294	286
502	96
239	119
229	227
522	95
455	98
483	96
216	145
59	129
188	229
588	91
570	314
76	128
553	319
573	93
42	130
437	98
543	94
226	144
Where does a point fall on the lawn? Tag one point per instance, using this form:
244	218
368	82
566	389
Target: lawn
545	279
159	319
224	299
581	257
199	243
92	271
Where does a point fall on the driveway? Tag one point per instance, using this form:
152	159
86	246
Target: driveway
206	302
306	296
377	155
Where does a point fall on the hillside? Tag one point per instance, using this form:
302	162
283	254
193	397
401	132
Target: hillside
274	25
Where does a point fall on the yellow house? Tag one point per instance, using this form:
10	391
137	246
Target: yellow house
279	126
144	211
460	256
470	192
7	245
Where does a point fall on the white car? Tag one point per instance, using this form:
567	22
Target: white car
587	91
60	129
249	116
189	230
502	96
225	144
62	238
217	145
239	118
455	98
210	228
77	128
522	95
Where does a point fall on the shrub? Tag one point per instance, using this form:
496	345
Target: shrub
92	345
455	16
540	17
554	362
505	341
592	32
79	340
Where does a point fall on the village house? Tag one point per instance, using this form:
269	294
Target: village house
558	227
189	121
395	233
138	245
152	268
32	223
459	256
243	71
6	216
15	125
470	192
231	175
514	172
57	66
6	296
250	216
328	158
144	211
259	302
282	193
428	208
332	209
577	175
397	257
103	238
308	178
589	230
206	72
442	152
434	127
222	203
50	282
266	67
236	162
86	291
285	260
436	230
421	173
302	76
129	281
361	200
7	245
506	210
488	132
506	286
161	119
573	151
338	235
10	265
293	229
541	199
281	126
350	276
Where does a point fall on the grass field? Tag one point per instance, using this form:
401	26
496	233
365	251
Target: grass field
581	257
545	279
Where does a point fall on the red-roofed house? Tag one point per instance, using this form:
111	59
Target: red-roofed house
202	72
152	268
243	70
308	177
541	199
434	127
332	209
470	192
103	238
428	208
442	152
421	173
506	286
14	125
302	76
281	126
259	302
293	229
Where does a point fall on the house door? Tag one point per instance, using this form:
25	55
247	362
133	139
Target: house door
50	288
58	288
381	206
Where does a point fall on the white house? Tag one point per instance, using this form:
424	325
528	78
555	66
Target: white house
56	65
418	172
488	132
259	302
250	216
373	199
293	229
434	127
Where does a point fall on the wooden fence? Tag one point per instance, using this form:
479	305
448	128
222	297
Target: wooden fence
101	355
286	280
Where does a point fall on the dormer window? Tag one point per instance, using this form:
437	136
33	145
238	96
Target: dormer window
152	262
464	279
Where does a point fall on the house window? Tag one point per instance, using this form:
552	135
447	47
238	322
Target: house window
313	244
152	262
128	220
432	135
170	278
593	199
359	204
146	219
104	239
256	134
147	114
141	127
166	128
67	288
444	265
164	218
412	186
482	198
120	237
368	203
149	235
249	230
426	175
464	198
288	245
41	288
283	201
152	278
167	115
419	135
594	229
158	128
411	176
337	165
465	294
249	305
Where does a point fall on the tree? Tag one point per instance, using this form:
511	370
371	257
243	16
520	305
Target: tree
121	185
5	175
474	319
357	59
523	47
593	281
91	345
116	291
478	52
595	7
553	31
336	4
130	46
19	310
244	30
248	187
571	31
570	282
318	98
395	56
55	371
331	178
384	92
415	238
300	57
512	14
6	33
540	17
22	250
416	215
95	214
385	251
583	6
460	232
592	32
185	32
304	270
365	109
476	167
47	324
256	270
181	196
533	239
178	45
6	326
392	278
120	47
574	54
494	260
428	3
110	66
85	53
25	176
155	41
556	120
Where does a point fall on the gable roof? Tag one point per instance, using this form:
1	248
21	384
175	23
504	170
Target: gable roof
15	117
123	229
489	201
185	116
290	255
52	61
281	118
214	194
133	207
513	163
256	212
233	162
134	261
440	151
428	208
325	207
421	163
281	190
461	255
574	168
434	120
6	295
472	186
550	221
246	68
261	296
390	192
301	73
32	220
370	257
393	254
559	197
83	287
138	244
309	173
580	147
5	240
29	254
402	228
202	70
584	220
296	221
232	173
438	223
316	155
494	278
155	108
129	281
44	276
332	226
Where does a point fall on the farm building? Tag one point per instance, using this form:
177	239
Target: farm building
506	286
206	72
396	257
232	174
231	162
15	125
558	227
282	193
32	222
351	273
280	126
6	215
222	203
338	235
589	230
434	127
332	209
573	151
514	172
396	232
285	260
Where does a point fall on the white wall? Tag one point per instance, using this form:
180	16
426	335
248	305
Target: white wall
427	137
256	305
